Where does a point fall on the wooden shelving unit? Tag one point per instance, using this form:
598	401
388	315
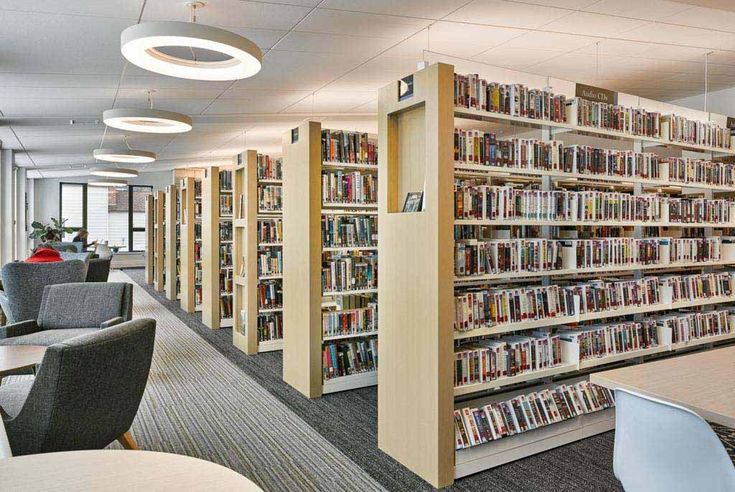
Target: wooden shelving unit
171	241
217	250
149	238
304	302
159	234
190	200
416	393
248	315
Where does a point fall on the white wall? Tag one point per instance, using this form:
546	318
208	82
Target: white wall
46	191
722	101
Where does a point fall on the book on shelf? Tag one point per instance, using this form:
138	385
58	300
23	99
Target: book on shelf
270	197
525	412
345	358
686	170
487	360
472	91
598	341
270	326
270	294
354	187
342	273
351	321
270	262
346	231
348	147
614	117
695	325
225	181
699	286
225	307
706	133
270	231
225	231
269	167
225	205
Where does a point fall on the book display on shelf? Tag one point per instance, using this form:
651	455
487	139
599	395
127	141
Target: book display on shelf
150	214
258	250
216	248
329	260
172	242
159	242
536	259
190	202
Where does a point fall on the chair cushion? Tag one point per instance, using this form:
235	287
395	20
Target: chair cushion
13	396
81	304
47	337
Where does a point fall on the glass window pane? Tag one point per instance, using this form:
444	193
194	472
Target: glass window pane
72	206
139	241
139	194
107	215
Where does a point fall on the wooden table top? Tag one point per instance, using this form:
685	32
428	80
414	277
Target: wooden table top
118	470
16	357
703	382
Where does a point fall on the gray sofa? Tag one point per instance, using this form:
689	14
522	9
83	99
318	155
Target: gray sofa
23	285
70	310
86	393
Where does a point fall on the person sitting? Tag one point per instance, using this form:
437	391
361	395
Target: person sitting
82	237
44	253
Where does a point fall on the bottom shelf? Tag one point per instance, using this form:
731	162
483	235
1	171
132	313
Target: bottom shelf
702	341
495	453
270	345
353	381
226	323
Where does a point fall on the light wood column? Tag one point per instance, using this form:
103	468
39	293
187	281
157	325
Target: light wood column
302	249
171	223
149	235
415	394
186	199
159	277
210	249
245	252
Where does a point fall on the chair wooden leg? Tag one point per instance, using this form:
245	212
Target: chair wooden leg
128	442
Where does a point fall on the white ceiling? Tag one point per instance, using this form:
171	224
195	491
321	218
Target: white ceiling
60	61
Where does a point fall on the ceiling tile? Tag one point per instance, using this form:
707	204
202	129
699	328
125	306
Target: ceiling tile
705	18
428	9
333	43
359	24
514	57
648	9
592	24
507	14
125	9
550	41
331	102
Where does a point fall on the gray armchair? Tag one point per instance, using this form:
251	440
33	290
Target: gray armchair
70	310
23	285
86	393
98	269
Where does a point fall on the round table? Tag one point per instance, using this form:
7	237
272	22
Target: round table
118	470
14	358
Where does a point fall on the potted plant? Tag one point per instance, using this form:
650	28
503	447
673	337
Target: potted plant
51	232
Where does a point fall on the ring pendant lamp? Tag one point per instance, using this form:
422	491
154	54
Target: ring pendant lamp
129	156
147	120
108	182
141	45
113	172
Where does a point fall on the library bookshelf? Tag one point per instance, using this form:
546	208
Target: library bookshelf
189	246
149	238
159	234
420	286
171	242
252	177
306	303
217	269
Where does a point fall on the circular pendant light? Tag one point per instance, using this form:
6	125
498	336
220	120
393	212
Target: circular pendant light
124	155
113	172
108	182
142	45
147	120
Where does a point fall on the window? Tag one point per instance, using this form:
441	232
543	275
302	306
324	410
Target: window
115	215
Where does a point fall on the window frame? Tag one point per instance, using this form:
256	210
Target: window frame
85	206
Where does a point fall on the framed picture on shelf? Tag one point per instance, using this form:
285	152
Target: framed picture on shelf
414	201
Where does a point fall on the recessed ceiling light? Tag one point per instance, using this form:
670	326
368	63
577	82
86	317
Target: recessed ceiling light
146	45
124	155
113	172
147	120
109	182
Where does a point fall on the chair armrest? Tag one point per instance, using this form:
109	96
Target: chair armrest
19	329
111	322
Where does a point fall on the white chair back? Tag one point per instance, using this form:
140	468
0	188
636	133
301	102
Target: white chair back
660	446
103	251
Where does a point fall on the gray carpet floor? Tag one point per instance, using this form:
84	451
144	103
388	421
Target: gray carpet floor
348	421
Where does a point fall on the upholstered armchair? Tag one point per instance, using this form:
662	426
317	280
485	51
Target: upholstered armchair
23	285
98	269
85	394
70	310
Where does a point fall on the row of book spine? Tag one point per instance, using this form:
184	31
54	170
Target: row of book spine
345	358
225	180
270	231
270	327
350	321
355	187
496	256
475	426
270	198
614	117
485	307
487	360
270	295
598	341
348	147
696	325
225	205
486	202
705	133
269	167
349	231
342	273
270	262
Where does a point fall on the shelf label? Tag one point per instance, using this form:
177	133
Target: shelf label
596	94
295	135
731	124
405	88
